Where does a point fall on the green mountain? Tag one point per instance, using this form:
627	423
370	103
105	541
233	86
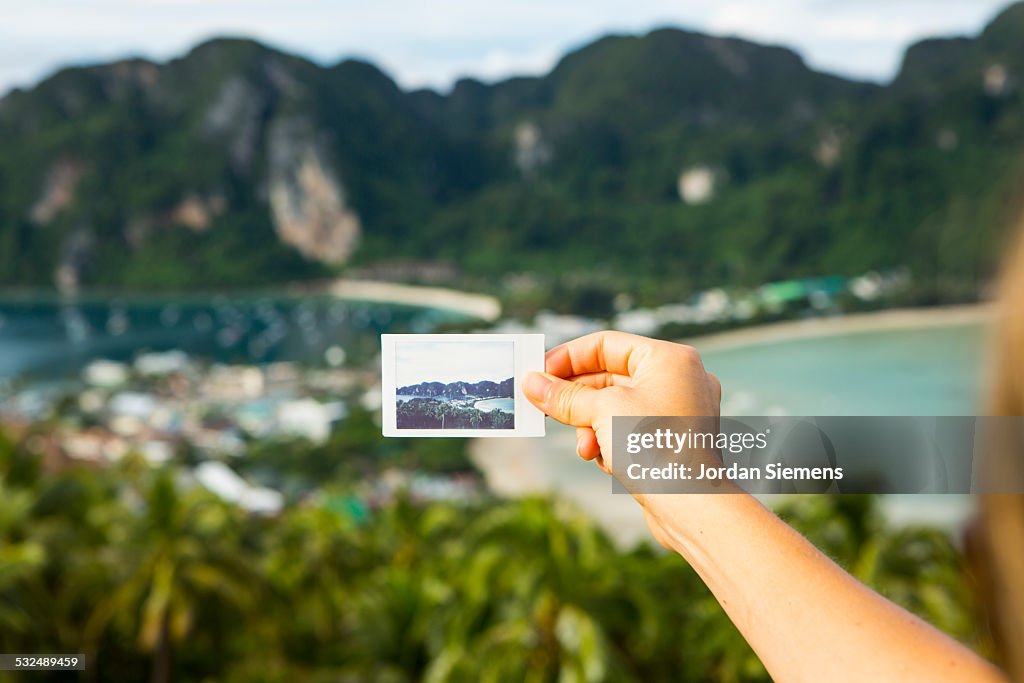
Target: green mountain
657	163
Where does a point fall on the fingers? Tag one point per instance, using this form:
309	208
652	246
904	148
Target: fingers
602	380
592	450
586	443
615	352
571	403
716	388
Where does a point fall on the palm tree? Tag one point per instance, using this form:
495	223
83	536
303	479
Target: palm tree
22	560
522	583
311	559
182	558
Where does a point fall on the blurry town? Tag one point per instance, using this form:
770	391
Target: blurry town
162	405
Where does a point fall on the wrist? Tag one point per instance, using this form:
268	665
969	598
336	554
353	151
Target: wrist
690	522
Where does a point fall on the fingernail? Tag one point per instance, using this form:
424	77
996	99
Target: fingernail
535	386
579	445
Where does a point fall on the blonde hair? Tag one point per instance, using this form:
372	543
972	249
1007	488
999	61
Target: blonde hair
1001	542
1008	389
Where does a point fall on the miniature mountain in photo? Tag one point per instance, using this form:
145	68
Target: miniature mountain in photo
456	405
483	389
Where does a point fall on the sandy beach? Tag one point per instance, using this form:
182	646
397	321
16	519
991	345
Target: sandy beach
859	323
480	306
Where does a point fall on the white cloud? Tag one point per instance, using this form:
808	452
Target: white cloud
860	39
492	65
434	43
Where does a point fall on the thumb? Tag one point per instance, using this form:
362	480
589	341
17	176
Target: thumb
570	403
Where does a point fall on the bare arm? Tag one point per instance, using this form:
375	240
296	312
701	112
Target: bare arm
806	618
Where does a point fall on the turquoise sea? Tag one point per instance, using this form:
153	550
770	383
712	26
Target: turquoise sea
933	371
48	338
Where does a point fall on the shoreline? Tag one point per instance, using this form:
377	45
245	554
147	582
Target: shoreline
494	398
487	308
890	320
482	306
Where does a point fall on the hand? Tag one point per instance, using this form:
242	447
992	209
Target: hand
593	378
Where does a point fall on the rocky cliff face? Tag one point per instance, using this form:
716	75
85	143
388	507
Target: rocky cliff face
236	115
307	200
57	191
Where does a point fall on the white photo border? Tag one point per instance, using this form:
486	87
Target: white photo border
528	351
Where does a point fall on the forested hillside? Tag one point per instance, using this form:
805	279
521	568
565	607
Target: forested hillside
673	158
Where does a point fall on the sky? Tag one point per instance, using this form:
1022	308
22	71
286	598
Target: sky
431	44
448	362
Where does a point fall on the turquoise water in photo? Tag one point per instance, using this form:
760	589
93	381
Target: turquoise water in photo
505	405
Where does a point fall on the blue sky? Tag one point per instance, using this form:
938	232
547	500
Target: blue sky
448	362
432	43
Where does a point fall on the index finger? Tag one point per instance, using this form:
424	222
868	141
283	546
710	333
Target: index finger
610	351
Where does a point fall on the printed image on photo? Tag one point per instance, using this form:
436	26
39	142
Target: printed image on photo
455	385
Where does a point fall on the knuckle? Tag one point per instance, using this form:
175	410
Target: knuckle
689	354
565	399
686	357
715	382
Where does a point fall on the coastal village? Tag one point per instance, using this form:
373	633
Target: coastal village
163	401
159	403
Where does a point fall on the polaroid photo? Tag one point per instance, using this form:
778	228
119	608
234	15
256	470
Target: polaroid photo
459	384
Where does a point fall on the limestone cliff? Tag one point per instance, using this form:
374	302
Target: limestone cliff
58	190
306	198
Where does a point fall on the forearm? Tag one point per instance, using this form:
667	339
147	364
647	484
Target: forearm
806	618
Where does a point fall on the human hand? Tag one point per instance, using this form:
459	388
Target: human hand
594	378
591	379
